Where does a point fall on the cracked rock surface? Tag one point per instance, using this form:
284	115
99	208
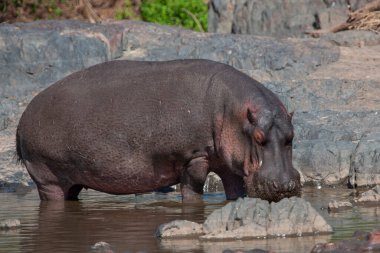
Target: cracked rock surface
253	218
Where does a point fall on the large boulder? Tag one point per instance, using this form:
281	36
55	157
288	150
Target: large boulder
255	218
252	218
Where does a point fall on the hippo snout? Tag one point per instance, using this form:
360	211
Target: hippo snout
274	189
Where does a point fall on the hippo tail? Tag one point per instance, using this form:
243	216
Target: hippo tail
18	154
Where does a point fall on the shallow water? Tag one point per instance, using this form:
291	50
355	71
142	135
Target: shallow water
129	222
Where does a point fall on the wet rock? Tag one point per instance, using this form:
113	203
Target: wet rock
252	218
102	247
360	242
213	183
10	224
371	196
335	206
179	228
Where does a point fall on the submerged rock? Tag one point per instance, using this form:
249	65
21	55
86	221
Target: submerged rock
179	228
10	224
360	242
335	206
252	218
372	196
103	247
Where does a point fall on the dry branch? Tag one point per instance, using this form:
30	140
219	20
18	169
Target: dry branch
365	18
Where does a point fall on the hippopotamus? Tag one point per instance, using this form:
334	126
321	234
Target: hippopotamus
127	127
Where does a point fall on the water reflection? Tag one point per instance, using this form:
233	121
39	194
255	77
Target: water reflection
75	226
129	222
294	244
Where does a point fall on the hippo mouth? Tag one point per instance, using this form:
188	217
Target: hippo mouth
271	190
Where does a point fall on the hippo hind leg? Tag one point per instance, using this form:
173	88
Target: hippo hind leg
49	186
57	192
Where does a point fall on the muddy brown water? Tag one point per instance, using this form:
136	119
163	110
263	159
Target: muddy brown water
128	223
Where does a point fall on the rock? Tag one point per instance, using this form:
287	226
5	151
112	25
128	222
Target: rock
333	126
323	162
335	206
360	242
102	247
10	224
12	174
179	228
213	183
276	18
281	59
220	16
256	218
371	196
365	163
353	38
252	218
329	95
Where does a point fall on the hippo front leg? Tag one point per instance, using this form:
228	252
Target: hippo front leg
233	184
193	179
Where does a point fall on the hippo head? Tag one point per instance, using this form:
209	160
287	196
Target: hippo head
269	173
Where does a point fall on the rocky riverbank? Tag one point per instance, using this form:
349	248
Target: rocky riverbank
331	84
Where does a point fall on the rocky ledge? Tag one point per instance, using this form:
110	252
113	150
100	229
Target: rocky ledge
252	218
334	90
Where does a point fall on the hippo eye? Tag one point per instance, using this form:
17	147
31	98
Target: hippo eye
250	117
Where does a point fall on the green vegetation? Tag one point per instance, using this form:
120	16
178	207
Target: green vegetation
51	6
191	14
127	12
